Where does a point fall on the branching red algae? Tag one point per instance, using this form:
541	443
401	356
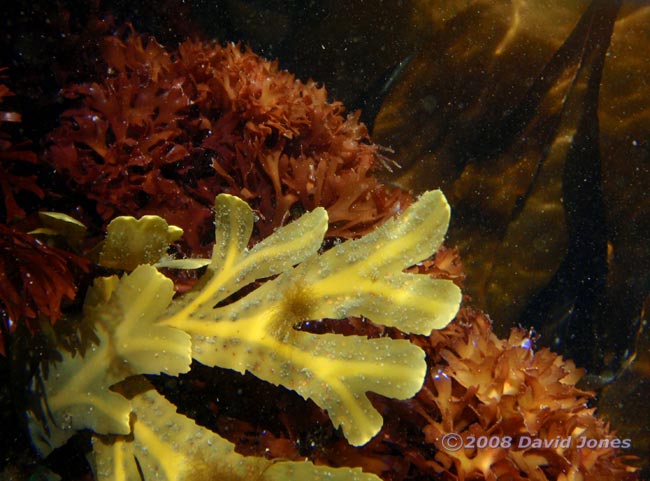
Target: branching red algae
34	278
165	132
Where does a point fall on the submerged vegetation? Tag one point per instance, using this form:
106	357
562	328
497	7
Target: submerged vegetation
303	325
141	330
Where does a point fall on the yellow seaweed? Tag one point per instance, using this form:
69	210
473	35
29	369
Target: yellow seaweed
123	312
361	277
171	447
142	330
131	242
